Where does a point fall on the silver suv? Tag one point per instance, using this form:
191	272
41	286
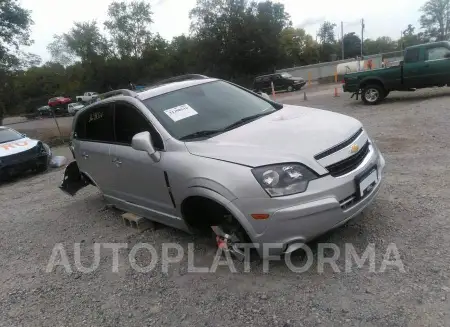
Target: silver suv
195	152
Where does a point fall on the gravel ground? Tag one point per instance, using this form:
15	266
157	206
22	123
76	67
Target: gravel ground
411	211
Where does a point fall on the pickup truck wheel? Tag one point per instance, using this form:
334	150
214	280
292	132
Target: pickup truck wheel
373	94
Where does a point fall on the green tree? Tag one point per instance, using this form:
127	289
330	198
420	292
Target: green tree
298	48
380	45
60	51
15	25
327	40
86	41
435	19
326	33
129	27
352	45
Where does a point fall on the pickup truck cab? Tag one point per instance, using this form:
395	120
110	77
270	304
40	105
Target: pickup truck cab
424	65
87	96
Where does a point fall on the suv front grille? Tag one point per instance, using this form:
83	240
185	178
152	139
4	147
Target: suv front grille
349	164
338	147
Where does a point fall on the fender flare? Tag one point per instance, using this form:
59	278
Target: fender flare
376	79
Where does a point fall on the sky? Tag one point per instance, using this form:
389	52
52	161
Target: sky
171	17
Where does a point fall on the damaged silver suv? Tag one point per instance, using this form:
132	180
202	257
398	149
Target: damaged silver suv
195	152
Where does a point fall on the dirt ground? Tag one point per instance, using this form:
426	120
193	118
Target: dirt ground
412	211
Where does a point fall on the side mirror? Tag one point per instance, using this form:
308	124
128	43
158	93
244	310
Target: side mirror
24	135
143	142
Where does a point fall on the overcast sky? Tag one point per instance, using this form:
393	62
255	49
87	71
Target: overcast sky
382	17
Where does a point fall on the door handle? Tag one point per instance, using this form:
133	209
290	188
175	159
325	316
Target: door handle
85	155
117	161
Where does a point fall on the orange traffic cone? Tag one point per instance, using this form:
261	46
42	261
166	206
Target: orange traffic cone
336	92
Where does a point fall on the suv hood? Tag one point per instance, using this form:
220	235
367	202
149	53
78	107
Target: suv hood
291	134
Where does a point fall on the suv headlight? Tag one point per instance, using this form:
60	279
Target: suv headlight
284	179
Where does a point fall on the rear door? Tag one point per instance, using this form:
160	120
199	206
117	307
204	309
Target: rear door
266	84
137	178
93	135
437	64
278	82
414	68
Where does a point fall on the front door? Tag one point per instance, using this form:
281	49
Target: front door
139	180
278	82
414	70
437	64
93	136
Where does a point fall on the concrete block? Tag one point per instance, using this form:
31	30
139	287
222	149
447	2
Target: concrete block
138	222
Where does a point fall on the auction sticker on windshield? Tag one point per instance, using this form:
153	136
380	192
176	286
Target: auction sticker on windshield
180	112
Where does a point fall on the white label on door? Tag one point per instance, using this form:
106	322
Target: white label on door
180	112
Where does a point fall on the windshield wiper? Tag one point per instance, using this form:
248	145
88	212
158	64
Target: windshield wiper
201	134
245	120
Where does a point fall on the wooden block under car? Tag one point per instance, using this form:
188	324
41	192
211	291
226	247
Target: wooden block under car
138	222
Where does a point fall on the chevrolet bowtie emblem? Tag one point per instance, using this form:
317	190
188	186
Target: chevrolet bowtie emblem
355	148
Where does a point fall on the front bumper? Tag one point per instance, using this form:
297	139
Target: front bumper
17	167
328	203
300	84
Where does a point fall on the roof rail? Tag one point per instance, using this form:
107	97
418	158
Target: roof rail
180	79
117	92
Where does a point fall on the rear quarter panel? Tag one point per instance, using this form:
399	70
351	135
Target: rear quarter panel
390	77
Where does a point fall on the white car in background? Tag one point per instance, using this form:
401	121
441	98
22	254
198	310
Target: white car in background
87	96
73	108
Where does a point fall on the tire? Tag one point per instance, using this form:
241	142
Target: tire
373	94
290	88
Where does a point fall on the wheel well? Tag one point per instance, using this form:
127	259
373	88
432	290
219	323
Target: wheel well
200	212
371	82
88	179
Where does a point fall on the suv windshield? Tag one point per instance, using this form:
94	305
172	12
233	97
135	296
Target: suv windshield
206	109
8	135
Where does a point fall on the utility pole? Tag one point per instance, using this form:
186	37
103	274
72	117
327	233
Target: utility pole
342	39
401	41
362	36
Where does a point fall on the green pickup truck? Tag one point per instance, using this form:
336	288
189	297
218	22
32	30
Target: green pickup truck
424	65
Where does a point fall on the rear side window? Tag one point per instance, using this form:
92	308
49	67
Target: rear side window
129	121
98	124
437	53
412	55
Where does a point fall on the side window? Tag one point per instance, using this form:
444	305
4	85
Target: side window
436	53
266	79
129	121
99	124
412	55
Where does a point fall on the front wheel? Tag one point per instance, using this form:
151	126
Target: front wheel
290	88
373	94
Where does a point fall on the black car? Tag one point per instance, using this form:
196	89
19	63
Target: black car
281	82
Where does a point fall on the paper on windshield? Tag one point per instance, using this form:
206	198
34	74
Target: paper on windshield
180	112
